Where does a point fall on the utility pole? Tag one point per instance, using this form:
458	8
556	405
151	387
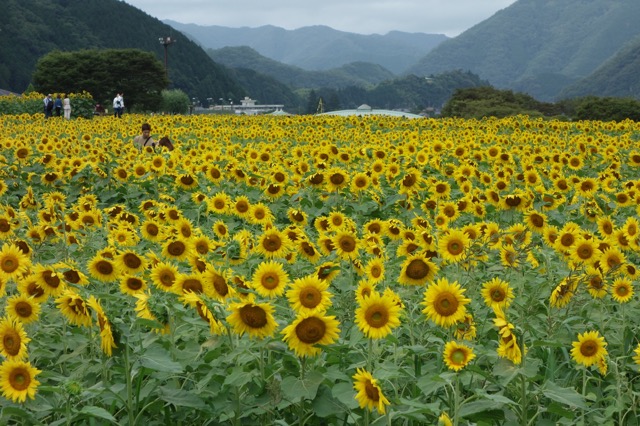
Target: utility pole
166	41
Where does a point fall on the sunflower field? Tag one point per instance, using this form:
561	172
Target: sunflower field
317	270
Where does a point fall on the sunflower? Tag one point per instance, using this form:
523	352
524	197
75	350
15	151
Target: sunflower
13	262
221	230
584	252
186	181
636	357
336	179
163	275
622	290
103	269
74	308
151	230
217	282
107	342
273	243
562	294
297	216
13	339
457	356
309	330
589	348
48	279
347	245
144	309
130	284
365	289
177	248
255	319
444	420
375	270
260	214
453	245
194	283
497	293
29	287
308	250
417	270
611	259
309	295
22	308
377	316
18	380
445	303
219	203
194	300
369	394
466	330
596	286
129	261
270	279
328	271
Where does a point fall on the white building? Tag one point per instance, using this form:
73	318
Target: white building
248	107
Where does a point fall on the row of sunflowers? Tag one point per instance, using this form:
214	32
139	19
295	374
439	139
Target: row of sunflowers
319	270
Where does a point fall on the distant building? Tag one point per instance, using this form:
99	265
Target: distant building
248	106
365	109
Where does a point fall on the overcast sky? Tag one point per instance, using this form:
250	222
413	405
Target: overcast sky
449	17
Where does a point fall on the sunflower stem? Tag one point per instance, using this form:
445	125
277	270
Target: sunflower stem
303	362
456	401
129	384
584	391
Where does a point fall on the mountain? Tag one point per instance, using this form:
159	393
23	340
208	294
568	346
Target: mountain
353	74
31	28
617	77
318	47
538	46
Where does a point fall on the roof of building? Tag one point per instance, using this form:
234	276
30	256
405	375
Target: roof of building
365	109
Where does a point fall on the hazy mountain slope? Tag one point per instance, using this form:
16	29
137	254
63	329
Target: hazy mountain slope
32	28
319	47
358	74
618	77
563	40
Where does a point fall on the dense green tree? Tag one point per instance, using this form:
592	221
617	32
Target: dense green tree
312	102
607	109
175	101
103	73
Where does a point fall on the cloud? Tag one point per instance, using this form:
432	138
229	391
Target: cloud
449	17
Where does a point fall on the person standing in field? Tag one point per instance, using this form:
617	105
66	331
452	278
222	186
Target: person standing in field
48	106
118	105
66	107
57	105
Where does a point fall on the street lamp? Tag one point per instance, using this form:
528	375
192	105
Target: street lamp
166	41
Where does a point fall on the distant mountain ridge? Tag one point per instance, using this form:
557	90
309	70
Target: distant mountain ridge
539	46
318	47
354	74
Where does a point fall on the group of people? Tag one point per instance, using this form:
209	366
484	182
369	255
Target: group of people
58	106
143	140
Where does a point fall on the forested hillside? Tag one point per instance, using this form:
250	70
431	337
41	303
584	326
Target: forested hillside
539	46
31	28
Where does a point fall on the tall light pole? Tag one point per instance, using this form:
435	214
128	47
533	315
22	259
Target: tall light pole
166	41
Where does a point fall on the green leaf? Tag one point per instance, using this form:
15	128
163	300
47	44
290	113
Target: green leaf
180	398
558	409
567	396
158	359
98	412
238	377
295	389
345	393
476	407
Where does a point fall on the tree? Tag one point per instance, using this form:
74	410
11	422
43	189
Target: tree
103	73
175	101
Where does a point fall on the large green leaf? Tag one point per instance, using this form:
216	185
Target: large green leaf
295	389
567	396
159	359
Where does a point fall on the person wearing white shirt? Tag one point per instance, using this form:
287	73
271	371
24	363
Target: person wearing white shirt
118	105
